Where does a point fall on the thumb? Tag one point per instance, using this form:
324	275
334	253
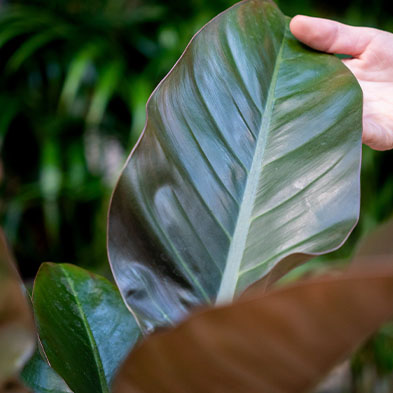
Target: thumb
329	36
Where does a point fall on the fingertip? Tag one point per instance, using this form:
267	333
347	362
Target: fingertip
303	28
330	36
297	22
293	24
315	32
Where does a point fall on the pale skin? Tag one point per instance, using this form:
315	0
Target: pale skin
371	62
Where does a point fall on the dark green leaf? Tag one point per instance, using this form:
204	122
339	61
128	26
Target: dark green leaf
283	341
41	378
84	326
249	159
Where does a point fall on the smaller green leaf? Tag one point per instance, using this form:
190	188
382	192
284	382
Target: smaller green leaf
84	326
41	378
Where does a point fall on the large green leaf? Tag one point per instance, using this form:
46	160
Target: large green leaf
250	155
84	326
41	378
283	341
17	335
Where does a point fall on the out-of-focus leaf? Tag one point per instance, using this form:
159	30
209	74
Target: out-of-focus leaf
14	386
106	85
337	381
11	31
31	45
41	378
76	175
77	69
84	326
145	13
377	243
250	157
283	341
16	324
138	96
50	183
10	108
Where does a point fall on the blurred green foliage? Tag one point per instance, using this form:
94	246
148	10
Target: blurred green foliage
74	79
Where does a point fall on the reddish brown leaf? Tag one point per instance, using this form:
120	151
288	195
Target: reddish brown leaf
283	341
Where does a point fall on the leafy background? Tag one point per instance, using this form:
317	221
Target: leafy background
74	79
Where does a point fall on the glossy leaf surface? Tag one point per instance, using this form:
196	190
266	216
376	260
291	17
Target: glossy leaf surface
17	335
250	154
84	326
284	341
41	378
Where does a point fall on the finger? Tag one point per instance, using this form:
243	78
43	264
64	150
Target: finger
376	135
329	36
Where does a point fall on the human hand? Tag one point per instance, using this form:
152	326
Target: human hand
371	63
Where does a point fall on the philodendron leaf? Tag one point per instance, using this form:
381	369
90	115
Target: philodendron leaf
250	155
84	326
283	341
41	378
17	336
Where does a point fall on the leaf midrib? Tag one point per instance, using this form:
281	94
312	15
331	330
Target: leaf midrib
230	276
93	344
